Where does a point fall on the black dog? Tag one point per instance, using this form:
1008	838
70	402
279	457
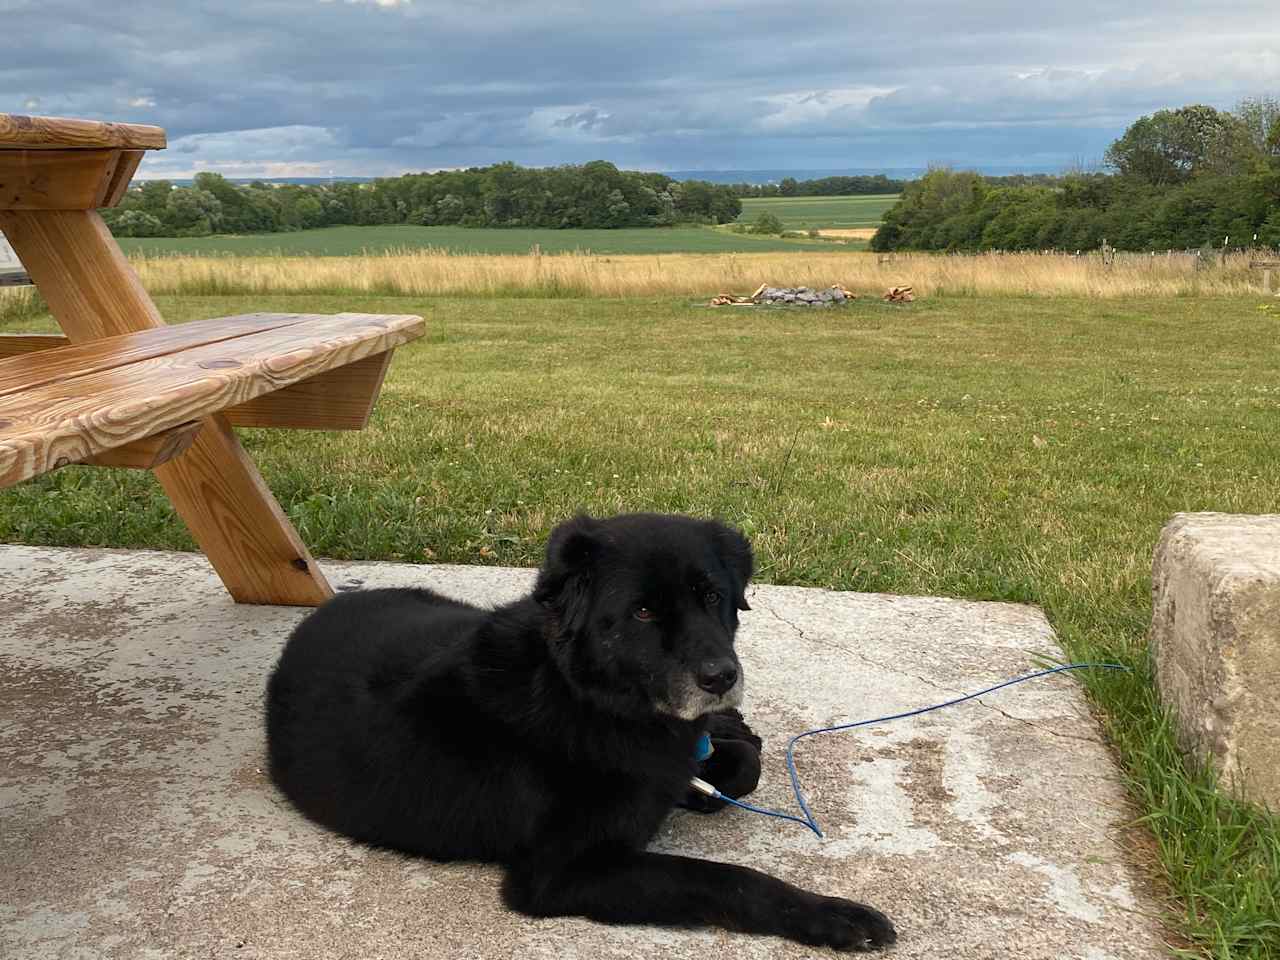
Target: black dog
552	735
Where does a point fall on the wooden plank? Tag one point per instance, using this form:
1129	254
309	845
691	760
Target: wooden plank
125	169
341	399
259	556
64	422
149	453
52	133
76	361
56	179
93	292
18	344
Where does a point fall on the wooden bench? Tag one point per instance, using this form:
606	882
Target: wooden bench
121	388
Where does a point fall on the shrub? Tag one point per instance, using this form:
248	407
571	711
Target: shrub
767	223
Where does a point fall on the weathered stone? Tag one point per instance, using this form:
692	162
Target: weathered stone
1215	634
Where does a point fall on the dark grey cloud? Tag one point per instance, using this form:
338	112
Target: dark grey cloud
271	87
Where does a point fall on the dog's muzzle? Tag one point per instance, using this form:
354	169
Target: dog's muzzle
689	699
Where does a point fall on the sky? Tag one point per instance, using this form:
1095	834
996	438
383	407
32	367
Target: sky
382	87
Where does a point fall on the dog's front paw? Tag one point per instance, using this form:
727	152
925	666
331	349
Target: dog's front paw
841	924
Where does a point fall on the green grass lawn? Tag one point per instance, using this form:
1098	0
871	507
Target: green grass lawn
1005	449
800	213
345	241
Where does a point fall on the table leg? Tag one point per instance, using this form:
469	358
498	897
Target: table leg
215	487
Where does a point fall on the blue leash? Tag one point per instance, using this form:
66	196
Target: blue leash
808	820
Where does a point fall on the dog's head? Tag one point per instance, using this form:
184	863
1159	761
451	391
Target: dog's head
644	609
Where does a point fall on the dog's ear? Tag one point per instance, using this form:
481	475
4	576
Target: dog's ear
736	553
564	581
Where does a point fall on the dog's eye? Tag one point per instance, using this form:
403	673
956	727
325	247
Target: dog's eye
644	614
711	598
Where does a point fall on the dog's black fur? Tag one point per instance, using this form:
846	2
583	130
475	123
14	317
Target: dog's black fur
552	735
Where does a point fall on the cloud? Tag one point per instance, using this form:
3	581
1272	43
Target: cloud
381	86
375	3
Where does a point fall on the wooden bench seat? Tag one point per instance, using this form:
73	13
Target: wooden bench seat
63	405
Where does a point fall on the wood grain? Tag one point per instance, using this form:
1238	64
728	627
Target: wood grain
91	290
32	371
35	133
66	421
341	399
125	169
56	179
149	453
20	344
259	557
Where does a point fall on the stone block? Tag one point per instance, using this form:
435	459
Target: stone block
1215	636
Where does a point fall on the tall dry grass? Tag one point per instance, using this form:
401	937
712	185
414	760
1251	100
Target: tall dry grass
435	272
429	272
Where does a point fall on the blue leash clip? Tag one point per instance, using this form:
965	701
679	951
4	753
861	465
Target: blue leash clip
703	749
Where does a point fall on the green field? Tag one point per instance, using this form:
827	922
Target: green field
801	213
346	241
1000	448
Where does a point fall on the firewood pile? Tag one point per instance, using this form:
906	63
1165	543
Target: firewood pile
805	296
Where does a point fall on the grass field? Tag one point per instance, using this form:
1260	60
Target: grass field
795	212
346	241
1015	449
801	213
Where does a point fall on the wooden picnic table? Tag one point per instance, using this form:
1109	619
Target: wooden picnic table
120	388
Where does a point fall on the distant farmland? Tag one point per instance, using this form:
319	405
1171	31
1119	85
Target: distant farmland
349	241
801	213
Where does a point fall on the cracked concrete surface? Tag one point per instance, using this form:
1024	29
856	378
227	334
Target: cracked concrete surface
135	819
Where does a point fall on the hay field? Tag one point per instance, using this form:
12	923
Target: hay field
697	275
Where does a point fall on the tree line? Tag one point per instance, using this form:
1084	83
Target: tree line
591	195
822	187
1179	179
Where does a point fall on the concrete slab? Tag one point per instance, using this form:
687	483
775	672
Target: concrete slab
137	821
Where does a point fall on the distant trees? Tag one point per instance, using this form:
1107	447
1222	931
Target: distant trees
1183	178
593	195
823	187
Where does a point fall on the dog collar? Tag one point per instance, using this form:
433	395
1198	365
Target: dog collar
703	748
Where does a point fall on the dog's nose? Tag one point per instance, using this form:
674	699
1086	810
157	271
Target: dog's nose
717	676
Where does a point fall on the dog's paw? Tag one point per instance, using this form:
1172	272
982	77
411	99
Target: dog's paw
840	924
730	725
733	769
